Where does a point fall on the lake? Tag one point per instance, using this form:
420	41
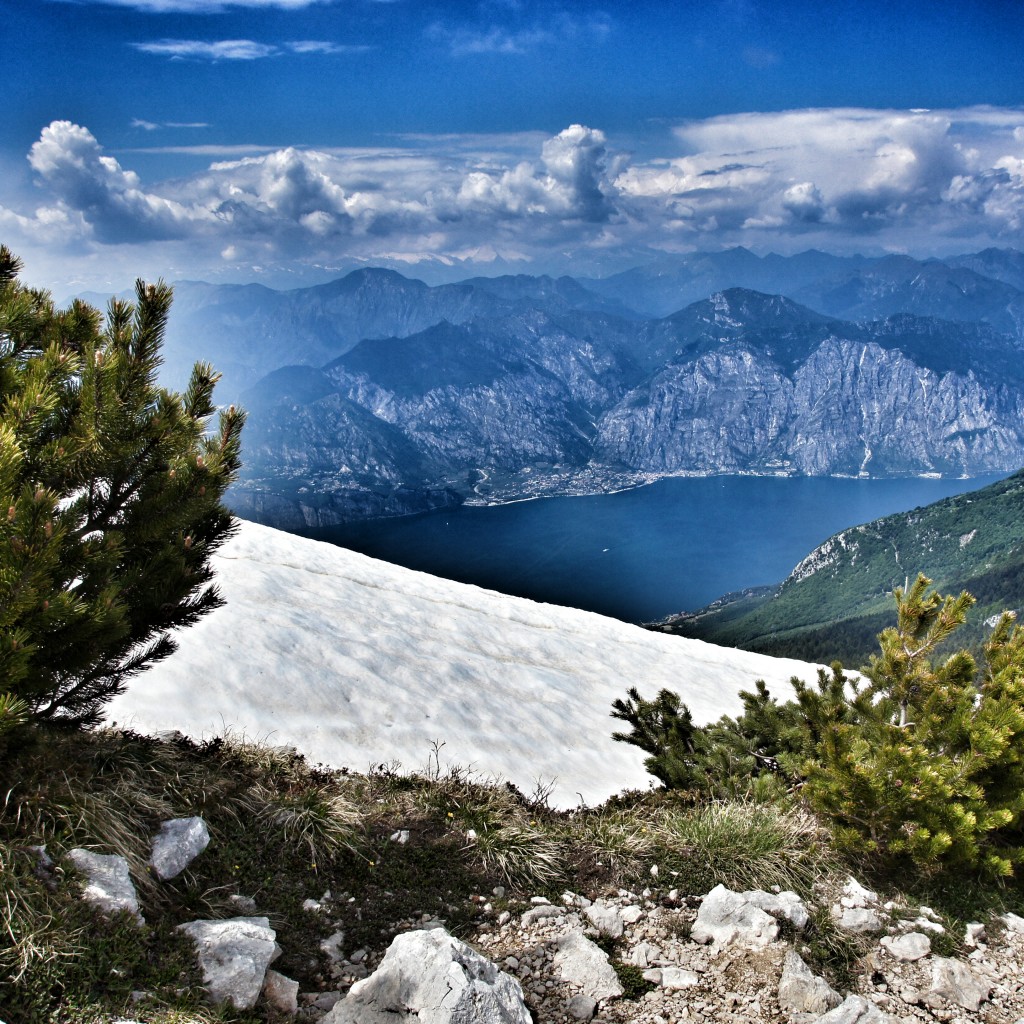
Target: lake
642	554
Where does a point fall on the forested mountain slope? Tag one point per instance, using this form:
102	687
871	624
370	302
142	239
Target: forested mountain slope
839	597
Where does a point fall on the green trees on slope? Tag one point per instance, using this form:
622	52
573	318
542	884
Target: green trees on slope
917	761
110	491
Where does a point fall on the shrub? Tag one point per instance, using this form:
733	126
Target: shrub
921	762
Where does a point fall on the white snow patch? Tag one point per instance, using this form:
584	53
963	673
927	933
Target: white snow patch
357	662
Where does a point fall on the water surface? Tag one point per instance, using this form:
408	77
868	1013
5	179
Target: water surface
643	554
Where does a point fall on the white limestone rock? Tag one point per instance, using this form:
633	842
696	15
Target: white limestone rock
855	1010
909	947
801	991
430	977
725	917
581	962
644	955
857	920
234	955
630	915
1012	922
108	882
780	904
607	920
176	845
954	982
332	946
674	979
855	895
542	912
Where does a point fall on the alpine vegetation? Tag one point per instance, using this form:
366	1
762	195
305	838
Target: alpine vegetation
919	762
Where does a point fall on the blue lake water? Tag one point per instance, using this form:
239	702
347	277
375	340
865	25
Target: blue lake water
643	554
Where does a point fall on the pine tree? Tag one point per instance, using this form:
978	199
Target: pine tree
926	762
664	728
110	491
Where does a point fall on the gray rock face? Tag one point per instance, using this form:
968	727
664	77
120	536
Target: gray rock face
177	844
432	978
580	962
725	917
954	982
234	955
801	991
109	885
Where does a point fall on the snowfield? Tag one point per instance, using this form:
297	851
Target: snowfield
357	662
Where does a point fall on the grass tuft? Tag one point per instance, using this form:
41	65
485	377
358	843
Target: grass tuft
744	845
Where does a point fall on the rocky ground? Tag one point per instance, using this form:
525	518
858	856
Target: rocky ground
657	956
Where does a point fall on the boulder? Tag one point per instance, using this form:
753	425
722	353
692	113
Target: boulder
954	982
176	845
430	977
725	917
583	963
234	955
801	991
108	882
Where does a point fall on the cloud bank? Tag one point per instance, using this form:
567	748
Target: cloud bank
840	179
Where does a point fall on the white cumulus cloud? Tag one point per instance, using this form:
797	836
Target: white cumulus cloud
94	187
929	182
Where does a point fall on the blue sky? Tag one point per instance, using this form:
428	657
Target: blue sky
287	140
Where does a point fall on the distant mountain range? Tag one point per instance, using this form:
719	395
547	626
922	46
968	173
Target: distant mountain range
839	597
376	394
